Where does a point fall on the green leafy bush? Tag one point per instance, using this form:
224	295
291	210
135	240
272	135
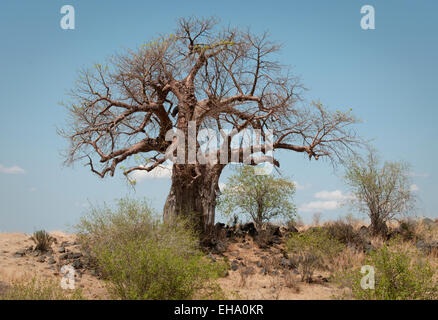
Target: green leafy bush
401	273
38	289
311	250
143	258
261	197
42	240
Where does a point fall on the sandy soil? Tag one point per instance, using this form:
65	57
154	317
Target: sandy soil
14	268
274	285
246	282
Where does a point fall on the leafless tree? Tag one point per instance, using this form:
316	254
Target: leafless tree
222	79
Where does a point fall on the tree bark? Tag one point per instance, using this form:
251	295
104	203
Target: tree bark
193	195
378	226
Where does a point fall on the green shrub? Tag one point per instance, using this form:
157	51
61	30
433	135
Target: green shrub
38	289
311	250
142	258
401	273
42	240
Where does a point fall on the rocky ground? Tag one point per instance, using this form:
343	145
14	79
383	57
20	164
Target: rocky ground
18	261
256	273
259	265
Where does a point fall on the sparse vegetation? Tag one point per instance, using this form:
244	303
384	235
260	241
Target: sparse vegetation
39	289
43	241
142	258
311	250
345	233
401	273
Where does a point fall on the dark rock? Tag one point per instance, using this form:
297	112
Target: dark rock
288	229
19	253
64	256
239	258
219	226
239	233
272	229
61	250
286	263
51	261
263	271
234	265
250	229
75	255
77	264
259	264
41	259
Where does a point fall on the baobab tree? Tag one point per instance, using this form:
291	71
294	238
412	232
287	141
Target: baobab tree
200	77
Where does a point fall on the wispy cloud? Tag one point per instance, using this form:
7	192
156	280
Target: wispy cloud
11	170
161	172
331	195
319	206
300	186
328	200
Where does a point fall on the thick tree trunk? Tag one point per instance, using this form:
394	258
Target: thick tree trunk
193	195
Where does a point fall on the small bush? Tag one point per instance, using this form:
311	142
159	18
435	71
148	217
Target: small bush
345	233
142	258
38	289
408	230
401	273
311	250
43	241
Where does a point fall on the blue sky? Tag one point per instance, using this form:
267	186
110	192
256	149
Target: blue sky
387	76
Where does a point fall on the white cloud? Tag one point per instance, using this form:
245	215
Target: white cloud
160	172
319	206
11	170
414	188
300	186
32	189
328	200
331	195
